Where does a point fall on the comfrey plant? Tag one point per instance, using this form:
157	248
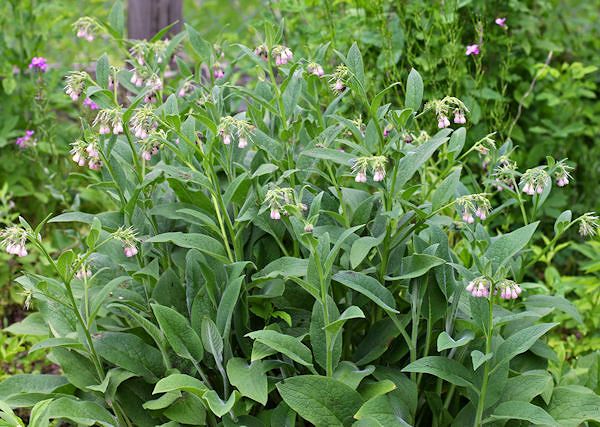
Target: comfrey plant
273	262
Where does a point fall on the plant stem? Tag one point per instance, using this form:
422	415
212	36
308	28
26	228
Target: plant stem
486	369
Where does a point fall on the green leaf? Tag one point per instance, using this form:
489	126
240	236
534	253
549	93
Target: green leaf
178	332
445	341
284	344
285	267
527	385
562	221
410	164
361	248
116	18
416	266
323	401
355	64
447	369
212	340
478	358
227	305
572	405
457	141
180	382
201	46
21	384
521	341
201	242
414	90
250	380
517	410
102	71
369	287
336	156
504	247
446	190
216	405
380	411
130	352
80	412
554	302
352	312
350	374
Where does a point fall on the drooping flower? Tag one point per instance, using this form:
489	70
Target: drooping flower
230	126
154	83
282	55
459	116
562	173
509	289
262	52
13	240
218	72
315	69
337	81
137	79
279	199
275	214
109	120
473	205
75	84
127	236
309	228
479	287
86	153
472	49
443	121
143	121
534	181
86	28
40	63
501	22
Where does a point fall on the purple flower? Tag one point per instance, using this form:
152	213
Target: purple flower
501	22
91	104
472	49
39	62
22	141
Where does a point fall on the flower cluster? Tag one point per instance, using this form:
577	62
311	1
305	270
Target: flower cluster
75	84
154	83
143	122
479	287
282	55
504	173
218	72
86	28
444	106
473	205
84	271
40	63
86	153
230	126
13	240
508	289
151	145
588	225
186	87
127	236
278	198
534	181
360	165
25	140
485	144
137	79
315	69
109	120
562	173
337	81
142	50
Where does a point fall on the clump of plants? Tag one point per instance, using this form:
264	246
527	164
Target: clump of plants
288	250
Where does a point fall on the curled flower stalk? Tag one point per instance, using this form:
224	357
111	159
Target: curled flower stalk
376	164
128	237
75	84
534	181
143	121
338	80
444	107
230	127
473	205
86	28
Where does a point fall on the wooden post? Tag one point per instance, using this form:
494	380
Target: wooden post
145	18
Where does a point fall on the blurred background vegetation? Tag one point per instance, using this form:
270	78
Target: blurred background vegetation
535	82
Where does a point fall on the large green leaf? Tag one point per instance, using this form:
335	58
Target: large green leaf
414	90
572	405
80	412
447	369
518	410
201	242
410	164
178	332
322	401
130	352
521	341
369	287
181	382
284	344
250	380
504	247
